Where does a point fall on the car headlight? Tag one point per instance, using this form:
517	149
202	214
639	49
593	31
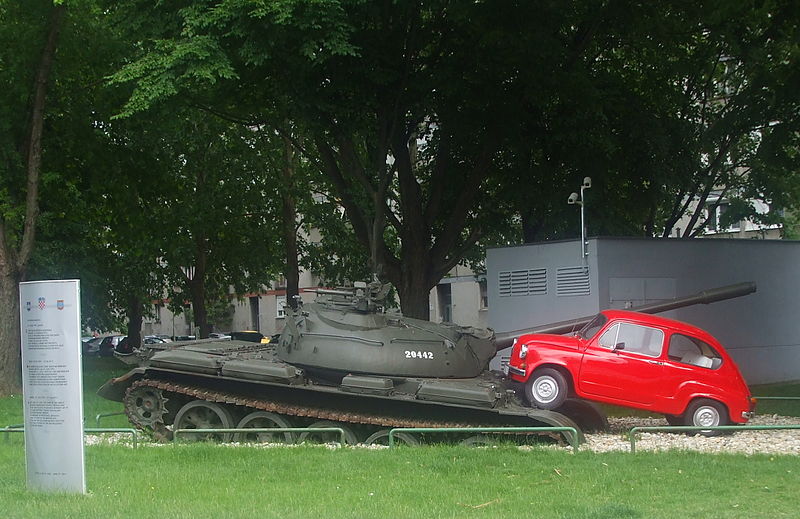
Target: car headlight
523	351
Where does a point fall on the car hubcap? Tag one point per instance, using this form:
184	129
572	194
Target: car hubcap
545	389
706	416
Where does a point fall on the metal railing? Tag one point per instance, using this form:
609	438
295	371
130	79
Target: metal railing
91	430
684	428
572	437
248	430
104	415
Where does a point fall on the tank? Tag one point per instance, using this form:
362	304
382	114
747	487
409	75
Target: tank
342	361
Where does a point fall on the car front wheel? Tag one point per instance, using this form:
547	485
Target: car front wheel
547	388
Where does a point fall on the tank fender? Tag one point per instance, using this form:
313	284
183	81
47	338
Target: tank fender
114	389
556	419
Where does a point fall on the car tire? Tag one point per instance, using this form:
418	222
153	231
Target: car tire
705	412
547	388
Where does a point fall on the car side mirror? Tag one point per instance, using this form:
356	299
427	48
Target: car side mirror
619	346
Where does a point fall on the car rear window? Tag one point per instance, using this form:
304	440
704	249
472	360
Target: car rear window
693	351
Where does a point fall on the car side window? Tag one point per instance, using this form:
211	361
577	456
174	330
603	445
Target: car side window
641	339
693	351
633	338
609	338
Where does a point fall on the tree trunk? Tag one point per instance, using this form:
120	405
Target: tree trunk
289	217
414	295
197	287
10	365
413	283
13	263
135	318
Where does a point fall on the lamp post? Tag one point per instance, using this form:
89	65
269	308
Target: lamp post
575	199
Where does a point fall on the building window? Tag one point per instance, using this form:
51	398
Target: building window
484	301
715	218
445	302
254	313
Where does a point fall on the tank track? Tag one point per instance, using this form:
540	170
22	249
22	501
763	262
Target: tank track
386	421
220	397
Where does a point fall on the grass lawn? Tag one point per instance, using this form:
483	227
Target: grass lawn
198	481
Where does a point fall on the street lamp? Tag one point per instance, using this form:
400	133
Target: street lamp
575	199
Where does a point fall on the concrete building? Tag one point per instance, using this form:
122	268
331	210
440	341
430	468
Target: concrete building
460	297
541	283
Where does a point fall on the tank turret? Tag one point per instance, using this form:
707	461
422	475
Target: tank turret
348	331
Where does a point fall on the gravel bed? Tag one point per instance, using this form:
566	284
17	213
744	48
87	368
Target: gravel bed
743	442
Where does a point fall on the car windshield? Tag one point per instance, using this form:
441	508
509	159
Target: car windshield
593	326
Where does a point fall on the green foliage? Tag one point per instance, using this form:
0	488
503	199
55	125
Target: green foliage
426	132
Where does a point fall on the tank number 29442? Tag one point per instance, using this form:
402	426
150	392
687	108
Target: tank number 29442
410	354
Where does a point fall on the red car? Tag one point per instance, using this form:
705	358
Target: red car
635	360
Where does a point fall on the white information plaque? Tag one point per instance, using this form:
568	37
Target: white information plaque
50	319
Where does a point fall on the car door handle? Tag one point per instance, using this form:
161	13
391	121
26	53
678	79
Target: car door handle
656	362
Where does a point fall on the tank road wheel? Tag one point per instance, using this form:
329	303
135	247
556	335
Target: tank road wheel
146	406
350	437
200	414
263	420
547	388
382	438
705	412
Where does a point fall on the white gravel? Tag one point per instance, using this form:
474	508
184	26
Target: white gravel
740	442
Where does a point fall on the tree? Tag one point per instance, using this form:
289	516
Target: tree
218	208
379	89
21	149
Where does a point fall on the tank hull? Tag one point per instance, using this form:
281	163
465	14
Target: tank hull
260	380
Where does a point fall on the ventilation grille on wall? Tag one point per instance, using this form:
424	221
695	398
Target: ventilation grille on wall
572	281
531	282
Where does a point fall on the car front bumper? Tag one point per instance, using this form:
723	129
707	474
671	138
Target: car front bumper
516	371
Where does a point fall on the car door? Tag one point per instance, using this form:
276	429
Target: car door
623	364
690	362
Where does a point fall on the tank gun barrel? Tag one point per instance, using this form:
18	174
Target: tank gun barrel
334	292
713	295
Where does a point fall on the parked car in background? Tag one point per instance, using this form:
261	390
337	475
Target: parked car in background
91	346
218	335
109	344
635	360
249	336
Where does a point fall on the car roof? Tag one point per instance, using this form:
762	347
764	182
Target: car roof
661	322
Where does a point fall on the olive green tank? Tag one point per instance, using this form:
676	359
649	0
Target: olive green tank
341	361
